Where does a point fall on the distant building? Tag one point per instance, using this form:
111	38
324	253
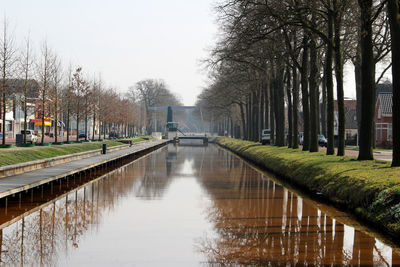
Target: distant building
350	106
383	118
15	106
351	124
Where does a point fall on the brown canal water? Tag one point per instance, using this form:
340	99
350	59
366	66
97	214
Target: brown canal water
183	206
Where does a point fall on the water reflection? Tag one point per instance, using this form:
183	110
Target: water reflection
184	206
258	222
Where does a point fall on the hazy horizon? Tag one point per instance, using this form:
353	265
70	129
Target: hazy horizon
125	41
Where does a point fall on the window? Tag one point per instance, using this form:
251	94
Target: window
390	132
8	126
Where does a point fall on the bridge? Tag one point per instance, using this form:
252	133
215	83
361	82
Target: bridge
172	131
193	137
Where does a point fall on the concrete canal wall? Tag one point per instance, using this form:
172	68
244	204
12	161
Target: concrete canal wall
368	189
19	168
65	166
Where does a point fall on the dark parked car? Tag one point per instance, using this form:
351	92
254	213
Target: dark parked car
82	135
113	134
322	140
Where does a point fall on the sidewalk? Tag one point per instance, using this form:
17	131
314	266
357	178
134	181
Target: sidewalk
382	155
47	139
15	184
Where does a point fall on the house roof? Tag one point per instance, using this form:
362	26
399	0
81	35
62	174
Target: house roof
16	86
385	105
349	104
384	88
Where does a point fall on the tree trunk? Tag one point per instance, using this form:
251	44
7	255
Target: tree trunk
295	109
266	104
77	122
271	110
56	119
261	108
279	105
339	79
367	82
313	96
94	125
43	113
25	107
290	109
255	136
248	113
357	75
242	116
4	103
330	126
394	18
68	120
323	106
328	74
305	97
86	125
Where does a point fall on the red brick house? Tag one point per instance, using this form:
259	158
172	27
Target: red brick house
383	118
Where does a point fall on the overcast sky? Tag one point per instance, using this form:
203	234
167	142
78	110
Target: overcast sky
124	40
128	40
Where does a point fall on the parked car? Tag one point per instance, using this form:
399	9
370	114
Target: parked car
113	134
322	141
265	136
31	137
82	134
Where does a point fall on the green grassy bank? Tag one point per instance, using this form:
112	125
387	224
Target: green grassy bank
25	154
370	189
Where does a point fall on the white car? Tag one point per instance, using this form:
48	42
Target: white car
265	136
301	138
31	137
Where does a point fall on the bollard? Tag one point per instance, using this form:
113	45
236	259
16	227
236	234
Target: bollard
104	151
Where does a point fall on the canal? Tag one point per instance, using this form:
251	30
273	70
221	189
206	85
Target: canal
182	206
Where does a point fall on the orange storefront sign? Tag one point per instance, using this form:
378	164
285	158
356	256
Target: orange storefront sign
38	122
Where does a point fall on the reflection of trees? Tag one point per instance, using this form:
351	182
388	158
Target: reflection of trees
258	222
41	237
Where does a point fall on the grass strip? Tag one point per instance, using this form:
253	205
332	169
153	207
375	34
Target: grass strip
369	189
14	156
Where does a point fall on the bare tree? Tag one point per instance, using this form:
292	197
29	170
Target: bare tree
7	61
44	70
80	87
152	93
95	102
26	63
394	18
55	92
68	101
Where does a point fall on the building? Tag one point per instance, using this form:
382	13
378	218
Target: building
383	118
350	106
15	106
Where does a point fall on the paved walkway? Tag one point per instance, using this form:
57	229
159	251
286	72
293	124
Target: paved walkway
15	184
382	155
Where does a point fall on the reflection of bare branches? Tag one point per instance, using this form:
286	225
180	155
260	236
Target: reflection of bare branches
254	220
41	237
